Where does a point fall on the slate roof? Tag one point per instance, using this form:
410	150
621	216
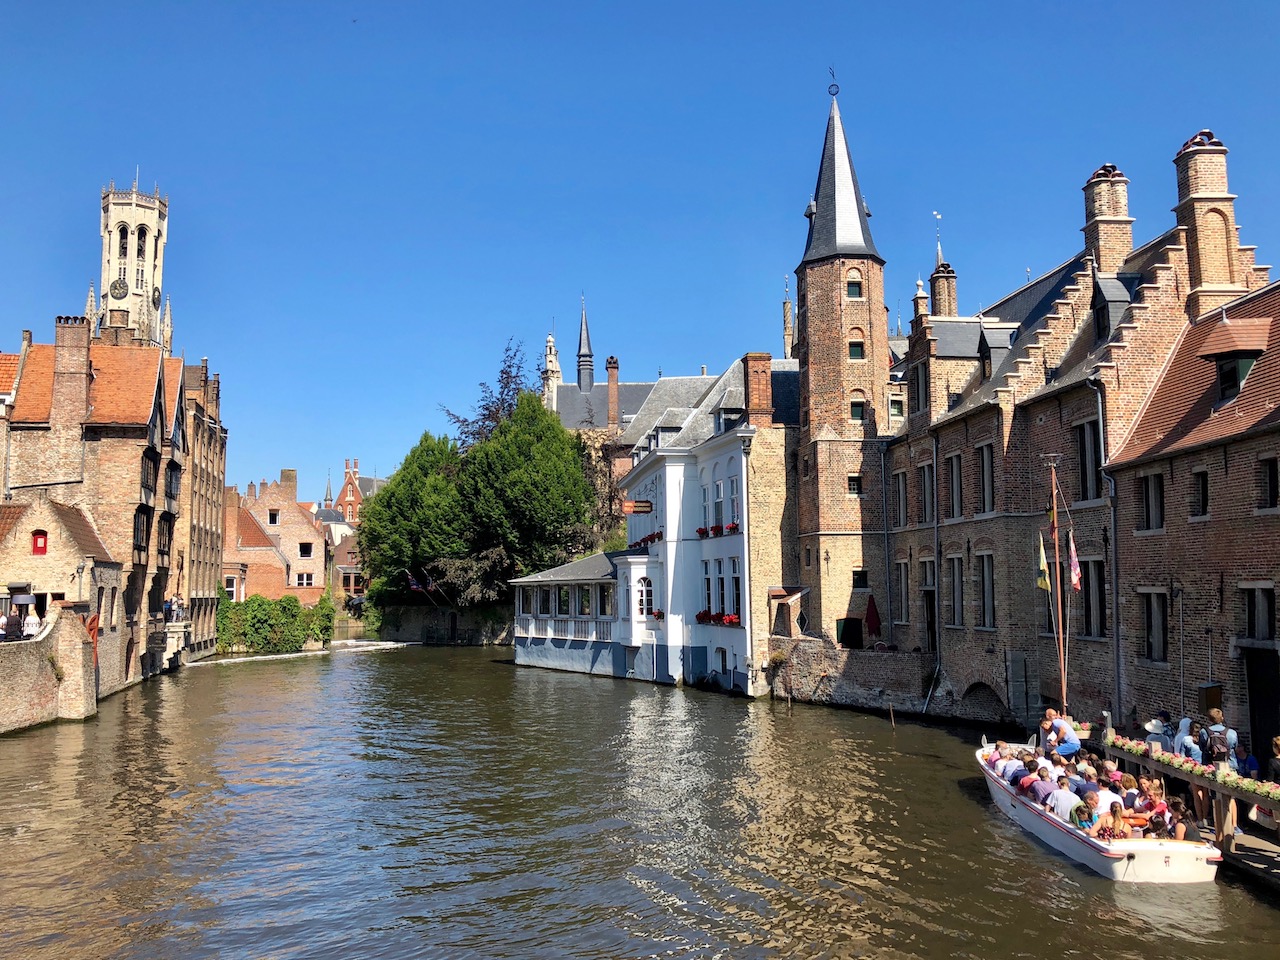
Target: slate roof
82	531
727	394
1025	309
370	485
329	515
597	567
1184	410
666	393
837	214
580	409
956	338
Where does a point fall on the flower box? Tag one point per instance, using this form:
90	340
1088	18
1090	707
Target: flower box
732	528
732	620
703	533
657	614
717	530
703	616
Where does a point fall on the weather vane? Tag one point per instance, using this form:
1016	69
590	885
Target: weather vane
835	87
938	226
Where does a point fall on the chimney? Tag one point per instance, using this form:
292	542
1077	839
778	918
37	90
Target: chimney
251	491
346	466
757	373
1207	211
26	339
1108	228
942	289
71	375
920	305
611	365
788	330
289	484
355	466
204	370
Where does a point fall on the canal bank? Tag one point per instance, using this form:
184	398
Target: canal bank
420	801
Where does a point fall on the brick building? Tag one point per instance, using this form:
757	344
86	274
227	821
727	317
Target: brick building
297	561
352	494
924	480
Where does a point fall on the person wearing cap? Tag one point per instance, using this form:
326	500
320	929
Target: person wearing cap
1156	734
1090	784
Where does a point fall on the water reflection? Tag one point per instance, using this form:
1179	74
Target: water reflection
418	802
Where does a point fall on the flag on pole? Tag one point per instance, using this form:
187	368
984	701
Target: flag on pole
413	583
1075	561
1042	575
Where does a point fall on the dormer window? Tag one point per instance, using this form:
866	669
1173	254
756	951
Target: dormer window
1231	373
39	543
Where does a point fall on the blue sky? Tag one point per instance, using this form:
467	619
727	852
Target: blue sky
369	199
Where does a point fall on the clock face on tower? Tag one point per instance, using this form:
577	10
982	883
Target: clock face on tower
155	296
119	289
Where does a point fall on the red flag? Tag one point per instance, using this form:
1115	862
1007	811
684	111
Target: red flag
872	617
1075	561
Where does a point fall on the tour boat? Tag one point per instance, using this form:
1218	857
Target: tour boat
1127	861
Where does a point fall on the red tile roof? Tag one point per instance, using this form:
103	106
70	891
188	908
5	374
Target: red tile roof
172	381
82	531
251	532
35	391
8	371
1184	410
10	514
124	383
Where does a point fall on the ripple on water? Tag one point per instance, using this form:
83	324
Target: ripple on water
411	803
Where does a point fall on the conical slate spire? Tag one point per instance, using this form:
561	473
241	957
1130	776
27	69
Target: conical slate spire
328	490
837	213
586	362
91	305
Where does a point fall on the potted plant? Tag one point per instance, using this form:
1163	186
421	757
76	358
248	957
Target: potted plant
702	533
703	616
732	620
717	530
732	528
657	614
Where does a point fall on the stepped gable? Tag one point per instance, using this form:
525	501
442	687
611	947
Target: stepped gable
1184	410
1024	311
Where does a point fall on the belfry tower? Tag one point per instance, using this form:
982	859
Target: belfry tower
842	345
134	232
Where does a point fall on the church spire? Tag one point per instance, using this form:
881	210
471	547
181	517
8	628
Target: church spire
837	213
328	491
91	305
586	361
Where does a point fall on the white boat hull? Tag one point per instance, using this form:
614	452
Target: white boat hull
1127	861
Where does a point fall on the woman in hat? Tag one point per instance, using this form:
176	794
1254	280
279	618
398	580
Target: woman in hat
1156	735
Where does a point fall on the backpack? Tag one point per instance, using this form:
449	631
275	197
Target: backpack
1216	746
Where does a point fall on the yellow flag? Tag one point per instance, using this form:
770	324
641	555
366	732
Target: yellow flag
1042	575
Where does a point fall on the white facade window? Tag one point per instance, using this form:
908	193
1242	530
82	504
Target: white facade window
717	505
706	507
734	515
735	586
720	594
644	596
706	585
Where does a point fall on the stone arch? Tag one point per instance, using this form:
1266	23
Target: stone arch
1217	260
981	701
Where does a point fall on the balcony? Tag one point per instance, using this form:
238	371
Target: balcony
566	628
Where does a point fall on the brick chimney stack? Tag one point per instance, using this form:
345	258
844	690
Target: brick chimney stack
942	289
355	467
611	365
1207	210
71	375
919	305
1108	228
289	484
757	374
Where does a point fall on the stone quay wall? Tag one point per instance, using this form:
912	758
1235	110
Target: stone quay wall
49	677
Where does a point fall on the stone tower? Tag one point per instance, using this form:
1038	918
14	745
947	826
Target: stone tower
842	345
134	232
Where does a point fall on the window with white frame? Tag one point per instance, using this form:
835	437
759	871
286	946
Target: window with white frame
735	586
955	591
900	499
720	594
855	485
544	601
1151	502
644	596
706	507
926	493
901	589
955	487
1155	617
717	505
706	585
1259	602
853	284
564	602
986	590
584	600
735	515
1089	458
304	580
986	479
605	604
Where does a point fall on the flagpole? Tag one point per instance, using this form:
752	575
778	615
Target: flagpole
1057	565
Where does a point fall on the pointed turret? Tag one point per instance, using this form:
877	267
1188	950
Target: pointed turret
91	305
328	491
586	362
837	213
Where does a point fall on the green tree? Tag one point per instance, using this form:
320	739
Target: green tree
527	503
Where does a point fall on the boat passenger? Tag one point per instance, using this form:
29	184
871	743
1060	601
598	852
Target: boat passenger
1000	751
1085	813
1042	787
1182	826
1063	800
1090	784
1111	826
1016	773
1156	829
1059	734
1128	790
1107	796
1032	776
1073	775
1155	803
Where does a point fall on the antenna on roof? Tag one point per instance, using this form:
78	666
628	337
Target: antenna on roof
937	232
834	89
1028	274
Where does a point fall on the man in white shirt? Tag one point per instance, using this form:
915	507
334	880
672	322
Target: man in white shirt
1107	796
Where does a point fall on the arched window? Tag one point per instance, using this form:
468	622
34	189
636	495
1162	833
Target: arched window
39	542
122	268
644	596
853	284
140	263
350	512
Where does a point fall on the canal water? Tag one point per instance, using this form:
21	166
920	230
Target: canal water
441	803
